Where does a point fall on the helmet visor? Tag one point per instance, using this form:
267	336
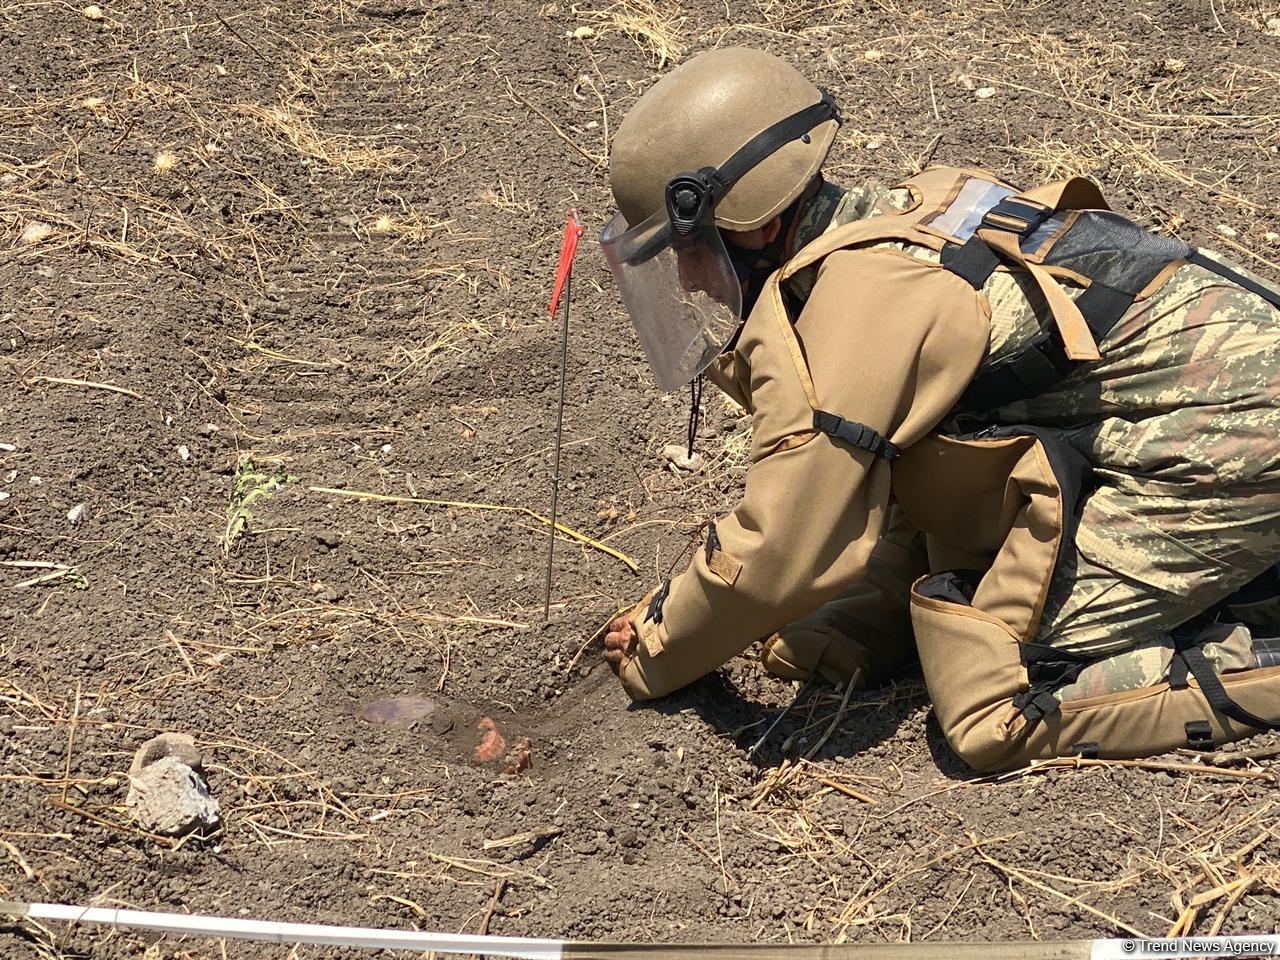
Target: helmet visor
683	296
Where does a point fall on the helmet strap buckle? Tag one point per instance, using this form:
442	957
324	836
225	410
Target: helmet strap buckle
691	200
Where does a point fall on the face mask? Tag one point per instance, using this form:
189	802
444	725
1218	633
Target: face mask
753	267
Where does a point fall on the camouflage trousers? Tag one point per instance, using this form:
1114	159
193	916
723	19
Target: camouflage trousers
1181	423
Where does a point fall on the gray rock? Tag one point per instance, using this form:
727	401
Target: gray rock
678	454
169	798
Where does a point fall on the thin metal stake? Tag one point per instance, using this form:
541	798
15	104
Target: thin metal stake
781	714
555	473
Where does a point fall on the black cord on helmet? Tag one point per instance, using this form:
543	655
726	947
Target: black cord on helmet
695	412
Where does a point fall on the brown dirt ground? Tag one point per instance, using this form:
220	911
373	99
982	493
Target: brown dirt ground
320	236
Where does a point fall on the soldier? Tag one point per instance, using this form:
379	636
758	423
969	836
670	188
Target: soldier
1012	433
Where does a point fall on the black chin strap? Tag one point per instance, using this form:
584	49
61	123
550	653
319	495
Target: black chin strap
774	137
691	198
695	412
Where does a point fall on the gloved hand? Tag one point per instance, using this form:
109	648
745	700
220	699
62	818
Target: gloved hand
620	641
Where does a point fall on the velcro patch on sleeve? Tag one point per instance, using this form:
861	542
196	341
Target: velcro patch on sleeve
652	635
724	566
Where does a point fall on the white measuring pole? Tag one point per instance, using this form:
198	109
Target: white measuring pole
268	931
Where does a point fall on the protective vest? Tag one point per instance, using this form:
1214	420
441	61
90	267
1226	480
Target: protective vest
997	506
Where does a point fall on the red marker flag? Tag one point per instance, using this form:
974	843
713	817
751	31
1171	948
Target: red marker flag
568	248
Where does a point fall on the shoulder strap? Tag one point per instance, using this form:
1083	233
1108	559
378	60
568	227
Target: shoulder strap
1003	228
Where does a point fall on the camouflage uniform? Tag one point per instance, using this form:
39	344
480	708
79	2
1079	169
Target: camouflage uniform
1176	421
833	206
1185	510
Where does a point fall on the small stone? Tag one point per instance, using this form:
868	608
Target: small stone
76	514
92	12
679	455
169	798
184	452
1226	231
583	33
871	56
1271	236
985	93
1273	26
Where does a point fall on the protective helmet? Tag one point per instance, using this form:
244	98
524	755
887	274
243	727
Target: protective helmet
729	139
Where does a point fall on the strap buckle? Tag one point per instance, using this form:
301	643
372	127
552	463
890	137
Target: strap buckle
1022	217
713	541
1199	735
856	434
1036	702
654	613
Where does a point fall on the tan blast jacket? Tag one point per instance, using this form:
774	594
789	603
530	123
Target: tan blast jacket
884	348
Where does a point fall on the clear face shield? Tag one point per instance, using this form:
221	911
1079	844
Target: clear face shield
674	271
684	297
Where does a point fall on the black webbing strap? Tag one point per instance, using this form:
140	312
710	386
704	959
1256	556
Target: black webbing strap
773	138
1086	749
1028	373
1102	307
1048	670
1036	703
855	434
654	613
1239	279
973	261
1212	687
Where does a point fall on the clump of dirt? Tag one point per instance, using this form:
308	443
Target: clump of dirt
306	250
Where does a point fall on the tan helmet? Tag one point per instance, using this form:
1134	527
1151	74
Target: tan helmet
698	116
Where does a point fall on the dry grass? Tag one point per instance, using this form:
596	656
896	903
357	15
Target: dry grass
294	126
654	25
